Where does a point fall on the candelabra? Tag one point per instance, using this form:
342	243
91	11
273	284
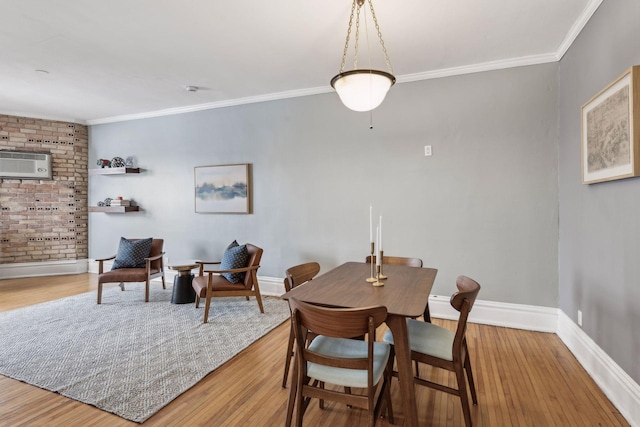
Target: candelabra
372	278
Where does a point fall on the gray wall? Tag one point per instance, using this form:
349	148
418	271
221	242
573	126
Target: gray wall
599	247
484	205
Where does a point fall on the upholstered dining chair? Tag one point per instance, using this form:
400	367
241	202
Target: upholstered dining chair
228	282
332	357
296	275
442	348
134	262
407	262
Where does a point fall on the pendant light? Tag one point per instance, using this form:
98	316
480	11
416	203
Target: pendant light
362	89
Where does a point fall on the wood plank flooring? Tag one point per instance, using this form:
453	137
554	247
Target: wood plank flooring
523	379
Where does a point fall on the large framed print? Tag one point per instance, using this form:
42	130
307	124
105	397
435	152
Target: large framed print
222	189
611	131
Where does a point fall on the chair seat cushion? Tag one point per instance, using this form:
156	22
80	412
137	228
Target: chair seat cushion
427	338
131	253
126	275
199	284
347	348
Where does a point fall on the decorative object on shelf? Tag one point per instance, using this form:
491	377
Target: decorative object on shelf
130	162
222	189
107	201
117	162
610	141
121	202
362	89
101	203
104	163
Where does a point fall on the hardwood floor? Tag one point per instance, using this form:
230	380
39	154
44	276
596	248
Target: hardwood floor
523	379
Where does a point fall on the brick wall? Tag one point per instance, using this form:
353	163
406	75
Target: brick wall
42	220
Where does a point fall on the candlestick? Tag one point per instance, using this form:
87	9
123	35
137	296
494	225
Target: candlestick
381	276
372	278
378	282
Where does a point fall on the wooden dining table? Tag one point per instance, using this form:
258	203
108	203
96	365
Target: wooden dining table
405	293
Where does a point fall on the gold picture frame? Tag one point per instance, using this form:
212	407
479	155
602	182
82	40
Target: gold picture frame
223	189
611	131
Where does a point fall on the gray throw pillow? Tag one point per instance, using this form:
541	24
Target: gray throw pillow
131	254
234	257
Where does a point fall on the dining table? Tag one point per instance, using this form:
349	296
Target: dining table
405	293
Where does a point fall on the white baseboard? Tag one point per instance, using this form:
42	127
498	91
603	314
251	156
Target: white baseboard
518	316
46	268
616	384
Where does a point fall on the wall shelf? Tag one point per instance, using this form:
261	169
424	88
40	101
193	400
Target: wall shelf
114	209
113	171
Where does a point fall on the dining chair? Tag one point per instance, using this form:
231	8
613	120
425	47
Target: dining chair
407	262
439	347
332	357
228	282
137	260
295	276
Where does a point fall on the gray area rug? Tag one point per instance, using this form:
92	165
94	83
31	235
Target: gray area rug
126	356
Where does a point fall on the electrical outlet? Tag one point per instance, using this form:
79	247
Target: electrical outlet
427	150
579	317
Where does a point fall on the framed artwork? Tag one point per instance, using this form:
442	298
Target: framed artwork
611	131
222	189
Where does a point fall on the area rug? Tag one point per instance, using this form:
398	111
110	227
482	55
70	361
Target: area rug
126	356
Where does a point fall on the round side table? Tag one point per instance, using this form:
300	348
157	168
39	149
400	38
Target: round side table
183	292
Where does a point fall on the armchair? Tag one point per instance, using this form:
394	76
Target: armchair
211	283
153	267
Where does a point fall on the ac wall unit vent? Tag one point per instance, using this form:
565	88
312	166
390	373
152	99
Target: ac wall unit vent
25	165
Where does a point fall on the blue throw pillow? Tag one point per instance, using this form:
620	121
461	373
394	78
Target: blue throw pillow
131	254
234	257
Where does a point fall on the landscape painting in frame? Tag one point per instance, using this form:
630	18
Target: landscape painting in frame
222	189
611	131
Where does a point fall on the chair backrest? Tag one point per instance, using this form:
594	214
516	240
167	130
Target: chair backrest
255	255
299	274
336	323
463	301
156	249
397	260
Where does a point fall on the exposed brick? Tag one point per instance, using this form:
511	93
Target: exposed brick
35	214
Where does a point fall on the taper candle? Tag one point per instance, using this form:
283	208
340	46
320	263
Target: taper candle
380	242
378	239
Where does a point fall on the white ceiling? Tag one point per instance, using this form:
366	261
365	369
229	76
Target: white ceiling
110	60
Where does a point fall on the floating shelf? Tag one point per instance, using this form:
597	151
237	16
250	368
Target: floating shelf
113	171
114	209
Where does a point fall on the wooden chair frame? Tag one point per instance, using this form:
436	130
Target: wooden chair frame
218	286
337	323
295	276
154	267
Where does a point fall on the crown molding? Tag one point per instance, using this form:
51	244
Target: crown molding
556	56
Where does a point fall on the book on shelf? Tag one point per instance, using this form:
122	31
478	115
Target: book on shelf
121	203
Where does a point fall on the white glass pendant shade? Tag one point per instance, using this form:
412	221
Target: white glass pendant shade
362	90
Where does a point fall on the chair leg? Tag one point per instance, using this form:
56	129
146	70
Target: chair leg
291	400
164	285
287	361
99	293
387	392
258	296
464	396
146	291
207	304
472	385
121	286
197	300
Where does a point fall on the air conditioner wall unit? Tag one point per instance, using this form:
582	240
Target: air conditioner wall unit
25	165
